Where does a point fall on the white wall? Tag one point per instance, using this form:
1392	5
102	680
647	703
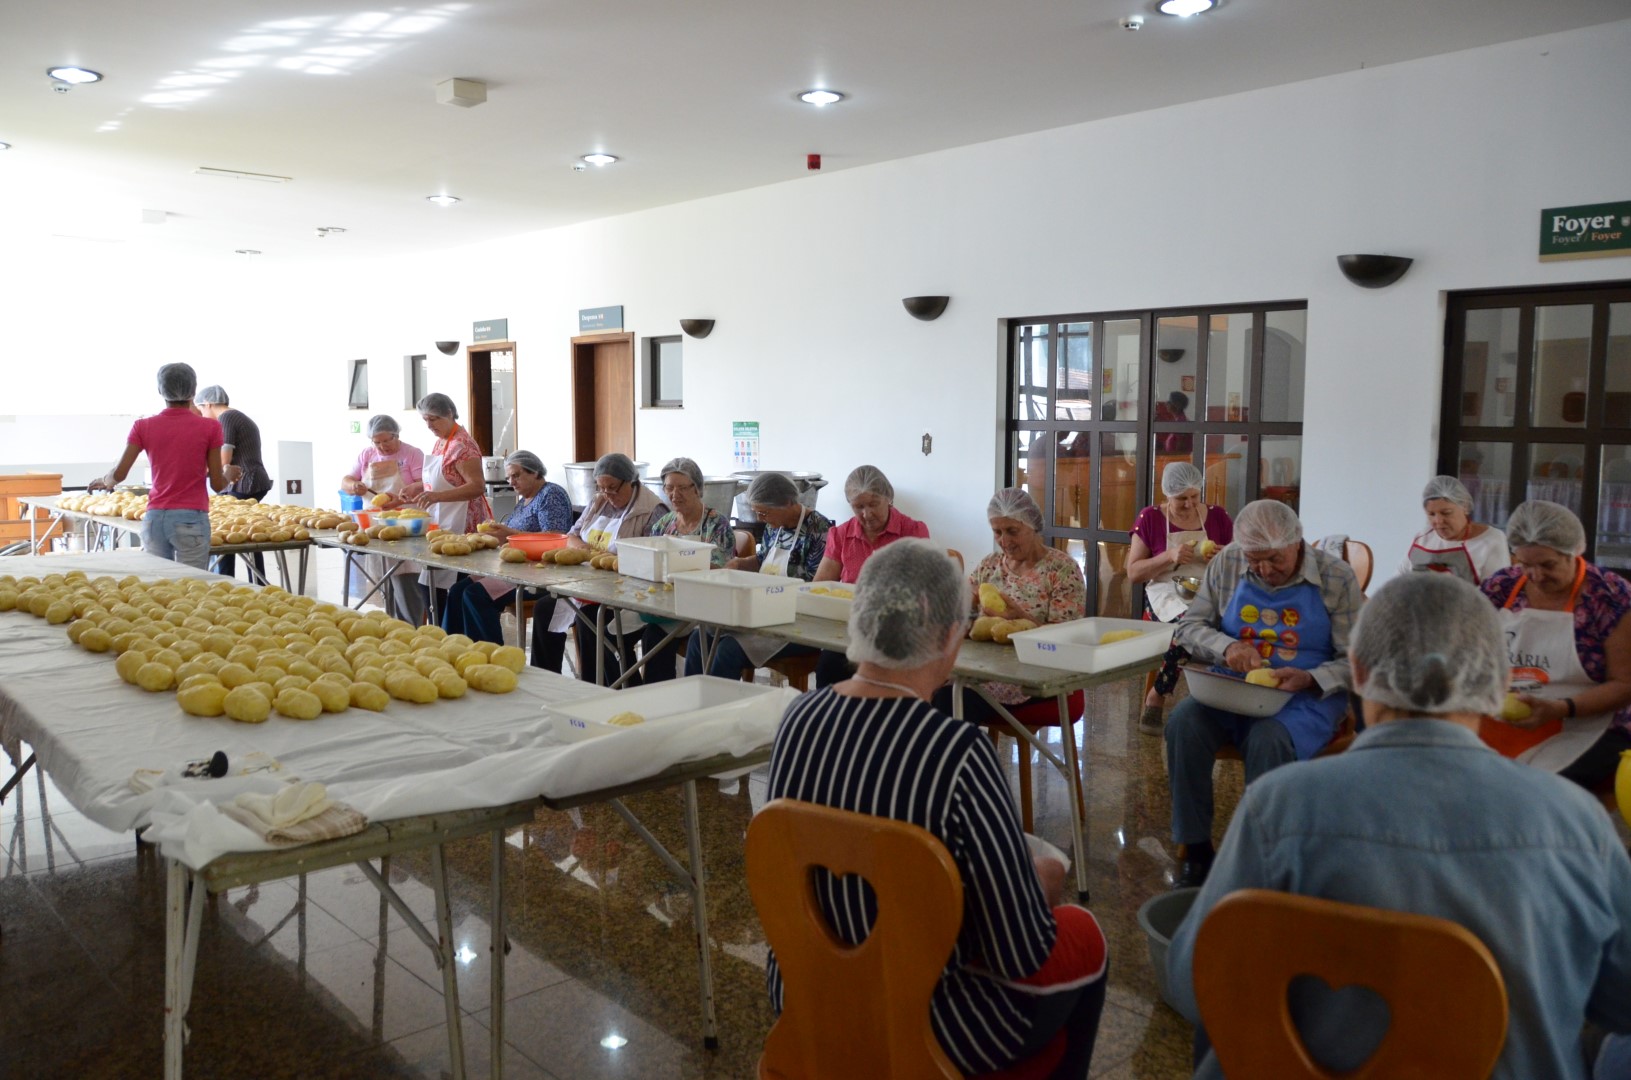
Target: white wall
1245	198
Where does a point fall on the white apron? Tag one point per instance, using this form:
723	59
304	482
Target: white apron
1545	664
383	477
600	534
1456	560
449	515
1162	593
758	647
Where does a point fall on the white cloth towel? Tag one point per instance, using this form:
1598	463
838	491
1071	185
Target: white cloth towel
289	806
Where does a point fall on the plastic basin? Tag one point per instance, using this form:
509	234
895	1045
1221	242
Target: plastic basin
1160	918
533	545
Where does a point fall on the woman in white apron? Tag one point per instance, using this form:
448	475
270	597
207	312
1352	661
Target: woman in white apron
454	489
1569	645
1454	543
1170	542
388	467
689	516
795	541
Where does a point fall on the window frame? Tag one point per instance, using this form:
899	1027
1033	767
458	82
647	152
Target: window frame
653	348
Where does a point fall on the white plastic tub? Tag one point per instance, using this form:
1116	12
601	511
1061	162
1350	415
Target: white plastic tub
734	598
1074	646
679	701
824	605
1232	693
654	558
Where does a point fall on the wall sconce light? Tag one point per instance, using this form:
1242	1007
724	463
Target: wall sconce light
927	308
697	328
1171	356
447	348
1373	271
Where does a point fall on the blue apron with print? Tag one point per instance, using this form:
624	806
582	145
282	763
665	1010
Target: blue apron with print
1289	628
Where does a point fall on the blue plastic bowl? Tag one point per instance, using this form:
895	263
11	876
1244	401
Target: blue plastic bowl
349	503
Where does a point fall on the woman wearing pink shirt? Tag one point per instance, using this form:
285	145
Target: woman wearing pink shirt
389	467
182	449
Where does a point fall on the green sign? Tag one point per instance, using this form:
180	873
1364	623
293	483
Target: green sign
356	427
1597	231
491	330
744	429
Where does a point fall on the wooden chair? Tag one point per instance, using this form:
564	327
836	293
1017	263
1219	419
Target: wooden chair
743	541
1040	714
1444	992
1357	554
852	1011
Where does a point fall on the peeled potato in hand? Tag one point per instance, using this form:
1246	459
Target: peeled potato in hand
991	599
1262	677
1207	548
1514	708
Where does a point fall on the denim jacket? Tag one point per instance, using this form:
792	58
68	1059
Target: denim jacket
1420	816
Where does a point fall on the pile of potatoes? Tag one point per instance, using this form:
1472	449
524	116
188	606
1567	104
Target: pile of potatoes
573	556
995	628
463	543
245	653
121	504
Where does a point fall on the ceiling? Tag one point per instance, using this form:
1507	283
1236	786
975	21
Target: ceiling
697	98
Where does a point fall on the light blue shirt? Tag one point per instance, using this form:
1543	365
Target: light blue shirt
1420	816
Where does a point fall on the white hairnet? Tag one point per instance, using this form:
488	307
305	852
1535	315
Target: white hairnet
1179	477
212	395
617	466
528	461
1545	524
383	424
868	479
177	382
1015	503
773	489
1448	488
686	468
910	599
438	405
1431	643
1265	524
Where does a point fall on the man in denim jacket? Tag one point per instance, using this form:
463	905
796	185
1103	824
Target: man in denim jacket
1420	816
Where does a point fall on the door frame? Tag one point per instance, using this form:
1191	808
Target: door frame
584	390
482	405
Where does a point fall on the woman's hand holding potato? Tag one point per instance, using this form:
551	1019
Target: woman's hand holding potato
1241	657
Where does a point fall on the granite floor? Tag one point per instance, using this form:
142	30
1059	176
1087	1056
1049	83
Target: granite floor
317	977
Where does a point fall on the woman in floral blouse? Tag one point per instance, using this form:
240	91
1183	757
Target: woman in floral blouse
690	516
1036	582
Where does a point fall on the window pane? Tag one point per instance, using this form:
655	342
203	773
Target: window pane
1485	468
1562	348
1280	474
1123	359
1228	368
1031	466
1115	597
1072	478
1176	359
1031	365
1074	378
1284	336
1226	457
358	397
670	371
1118	481
1076	548
1556	472
1614	510
1160	457
1617	401
1489	368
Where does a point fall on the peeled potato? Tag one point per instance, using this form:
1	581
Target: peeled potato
626	719
381	500
245	705
1262	677
411	686
508	656
981	630
490	678
199	679
1515	708
335	697
203	699
372	675
991	599
469	659
291	682
512	555
368	696
1207	548
1008	627
448	684
95	639
298	704
1119	635
154	677
8	599
130	661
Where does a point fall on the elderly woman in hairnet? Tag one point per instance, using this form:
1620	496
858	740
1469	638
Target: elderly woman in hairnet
1417	817
183	451
1268	600
1171	541
871	498
690	516
1453	543
454	489
475	603
1032	581
1569	644
1024	966
388	466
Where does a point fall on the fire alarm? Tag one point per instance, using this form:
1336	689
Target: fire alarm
812	162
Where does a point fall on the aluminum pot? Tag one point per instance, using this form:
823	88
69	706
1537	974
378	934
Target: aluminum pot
809	485
578	477
492	469
717	491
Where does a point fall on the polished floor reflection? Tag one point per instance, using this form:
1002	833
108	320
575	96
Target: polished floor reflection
316	977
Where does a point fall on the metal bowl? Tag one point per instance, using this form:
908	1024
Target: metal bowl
1232	693
1187	586
717	492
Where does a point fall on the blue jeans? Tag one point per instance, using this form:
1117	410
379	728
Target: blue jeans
1194	734
182	535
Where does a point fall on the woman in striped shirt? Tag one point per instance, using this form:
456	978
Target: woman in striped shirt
1022	969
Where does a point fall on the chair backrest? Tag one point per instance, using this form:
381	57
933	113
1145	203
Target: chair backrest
1445	995
1358	555
743	541
851	1011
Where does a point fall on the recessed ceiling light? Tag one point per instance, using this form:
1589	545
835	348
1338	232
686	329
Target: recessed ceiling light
443	200
75	75
1185	8
821	97
600	159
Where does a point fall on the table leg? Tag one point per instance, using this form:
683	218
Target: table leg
444	960
283	567
600	644
1074	779
699	914
498	945
181	928
305	554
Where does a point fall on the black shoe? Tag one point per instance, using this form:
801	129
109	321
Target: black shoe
1196	865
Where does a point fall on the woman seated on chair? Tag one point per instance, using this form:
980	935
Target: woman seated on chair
474	603
1003	996
1023	579
690	516
794	544
1454	543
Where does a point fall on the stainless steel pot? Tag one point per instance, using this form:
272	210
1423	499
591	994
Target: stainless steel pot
809	485
492	468
717	491
578	478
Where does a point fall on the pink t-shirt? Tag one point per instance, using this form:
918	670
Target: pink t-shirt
177	444
847	543
410	459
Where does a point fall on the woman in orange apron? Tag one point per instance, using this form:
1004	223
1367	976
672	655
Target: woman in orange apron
1569	646
454	491
1454	543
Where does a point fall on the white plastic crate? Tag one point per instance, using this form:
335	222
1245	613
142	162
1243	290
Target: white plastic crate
680	700
1074	646
654	558
824	605
734	598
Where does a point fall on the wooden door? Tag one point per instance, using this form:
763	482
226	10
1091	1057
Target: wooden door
603	395
491	416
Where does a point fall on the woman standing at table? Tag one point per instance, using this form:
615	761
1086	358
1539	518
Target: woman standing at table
1454	543
690	516
387	467
474	603
183	450
453	491
871	498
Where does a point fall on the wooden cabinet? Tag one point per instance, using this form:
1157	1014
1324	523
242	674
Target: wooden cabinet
14	517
